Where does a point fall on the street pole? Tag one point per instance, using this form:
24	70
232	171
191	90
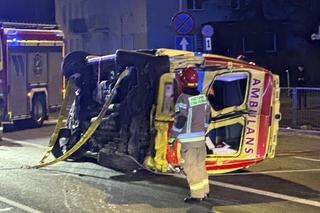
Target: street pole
180	5
288	81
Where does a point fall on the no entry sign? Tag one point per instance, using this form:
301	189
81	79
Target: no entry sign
183	23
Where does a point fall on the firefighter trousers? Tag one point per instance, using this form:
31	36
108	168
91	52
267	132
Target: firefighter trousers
195	170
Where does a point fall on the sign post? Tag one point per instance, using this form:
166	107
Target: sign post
183	24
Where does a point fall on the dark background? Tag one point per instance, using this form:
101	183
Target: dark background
28	11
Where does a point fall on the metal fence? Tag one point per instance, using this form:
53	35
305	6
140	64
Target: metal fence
300	107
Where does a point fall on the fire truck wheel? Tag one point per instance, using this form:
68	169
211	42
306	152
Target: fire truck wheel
38	112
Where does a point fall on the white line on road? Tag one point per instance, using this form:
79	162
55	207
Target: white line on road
24	143
6	209
310	159
225	185
18	205
269	172
266	193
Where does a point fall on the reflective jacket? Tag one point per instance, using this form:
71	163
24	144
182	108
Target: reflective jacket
192	114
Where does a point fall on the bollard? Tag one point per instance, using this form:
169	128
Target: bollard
294	106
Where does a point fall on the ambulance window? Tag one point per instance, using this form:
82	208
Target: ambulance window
224	140
227	90
168	99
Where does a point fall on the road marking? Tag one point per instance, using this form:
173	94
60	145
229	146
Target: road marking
262	192
269	172
310	159
24	143
290	153
18	205
266	193
6	209
225	185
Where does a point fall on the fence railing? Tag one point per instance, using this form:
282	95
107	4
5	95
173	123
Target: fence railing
300	107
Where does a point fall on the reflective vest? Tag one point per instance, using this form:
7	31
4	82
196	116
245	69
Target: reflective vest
192	114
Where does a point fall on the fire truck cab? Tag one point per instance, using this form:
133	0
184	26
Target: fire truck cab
30	78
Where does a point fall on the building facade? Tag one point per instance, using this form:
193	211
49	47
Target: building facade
275	34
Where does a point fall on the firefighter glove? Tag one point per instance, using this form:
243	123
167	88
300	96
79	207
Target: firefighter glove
171	141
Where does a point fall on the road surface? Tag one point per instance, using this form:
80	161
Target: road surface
288	183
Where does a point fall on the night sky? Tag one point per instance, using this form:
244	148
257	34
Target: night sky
31	11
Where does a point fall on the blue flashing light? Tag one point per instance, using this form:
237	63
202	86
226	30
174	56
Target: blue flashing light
200	80
14	39
198	54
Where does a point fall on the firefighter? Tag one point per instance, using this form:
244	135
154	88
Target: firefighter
192	114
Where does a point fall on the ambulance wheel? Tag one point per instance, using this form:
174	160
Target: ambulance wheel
38	111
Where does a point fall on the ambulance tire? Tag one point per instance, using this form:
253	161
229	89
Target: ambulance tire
74	62
38	111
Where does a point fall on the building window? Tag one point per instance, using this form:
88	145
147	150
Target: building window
128	41
270	42
79	44
238	4
64	15
248	43
195	4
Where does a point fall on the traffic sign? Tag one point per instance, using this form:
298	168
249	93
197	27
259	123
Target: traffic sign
207	30
184	43
208	44
183	23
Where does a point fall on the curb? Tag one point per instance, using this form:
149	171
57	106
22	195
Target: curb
299	132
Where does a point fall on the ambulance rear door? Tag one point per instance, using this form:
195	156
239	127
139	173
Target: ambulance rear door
274	118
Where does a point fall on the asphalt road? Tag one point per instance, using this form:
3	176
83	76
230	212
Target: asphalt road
288	183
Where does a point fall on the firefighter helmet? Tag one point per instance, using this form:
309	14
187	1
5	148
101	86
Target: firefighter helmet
190	77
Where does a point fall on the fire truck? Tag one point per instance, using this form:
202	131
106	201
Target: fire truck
124	106
30	78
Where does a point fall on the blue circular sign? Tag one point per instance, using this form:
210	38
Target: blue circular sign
183	23
207	30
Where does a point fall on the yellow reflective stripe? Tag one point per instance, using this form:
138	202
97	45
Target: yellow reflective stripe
193	139
59	124
197	186
205	182
189	120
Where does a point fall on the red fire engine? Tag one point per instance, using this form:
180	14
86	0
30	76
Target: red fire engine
30	78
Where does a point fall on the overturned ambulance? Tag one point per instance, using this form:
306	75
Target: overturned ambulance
124	107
